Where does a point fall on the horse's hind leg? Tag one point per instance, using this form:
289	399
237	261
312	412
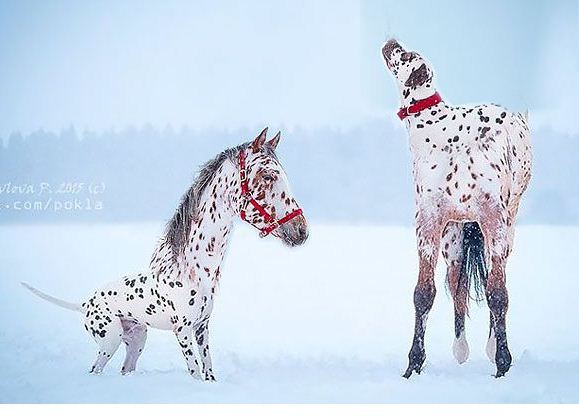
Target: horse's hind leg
491	348
107	332
428	235
134	336
495	233
451	243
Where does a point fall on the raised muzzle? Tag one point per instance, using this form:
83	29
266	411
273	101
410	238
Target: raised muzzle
388	48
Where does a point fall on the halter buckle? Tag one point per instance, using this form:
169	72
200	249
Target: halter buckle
409	113
269	228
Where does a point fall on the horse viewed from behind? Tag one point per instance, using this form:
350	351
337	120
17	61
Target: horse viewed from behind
471	166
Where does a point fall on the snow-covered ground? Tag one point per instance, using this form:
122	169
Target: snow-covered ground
328	322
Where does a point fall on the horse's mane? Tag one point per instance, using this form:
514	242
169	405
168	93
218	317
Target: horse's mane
179	226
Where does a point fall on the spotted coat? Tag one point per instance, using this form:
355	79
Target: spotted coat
178	291
470	164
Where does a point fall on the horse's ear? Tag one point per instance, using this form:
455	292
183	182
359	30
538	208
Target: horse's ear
258	142
272	143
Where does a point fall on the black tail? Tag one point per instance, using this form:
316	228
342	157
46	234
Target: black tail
473	270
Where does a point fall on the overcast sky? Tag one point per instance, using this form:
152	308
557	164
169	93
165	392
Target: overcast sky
106	64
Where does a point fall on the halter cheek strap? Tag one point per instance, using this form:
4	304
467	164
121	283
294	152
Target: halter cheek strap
419	106
270	220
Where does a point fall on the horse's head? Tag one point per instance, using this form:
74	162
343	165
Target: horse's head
267	203
409	68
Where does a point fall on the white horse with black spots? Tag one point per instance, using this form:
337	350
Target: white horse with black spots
177	292
471	166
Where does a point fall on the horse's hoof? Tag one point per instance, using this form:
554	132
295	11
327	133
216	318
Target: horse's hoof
196	375
503	361
491	347
95	370
460	349
416	359
412	368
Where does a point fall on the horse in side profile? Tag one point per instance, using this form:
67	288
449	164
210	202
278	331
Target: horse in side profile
471	166
177	292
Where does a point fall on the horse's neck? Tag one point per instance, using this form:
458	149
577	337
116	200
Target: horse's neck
410	96
209	234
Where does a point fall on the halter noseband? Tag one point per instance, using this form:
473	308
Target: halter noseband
271	222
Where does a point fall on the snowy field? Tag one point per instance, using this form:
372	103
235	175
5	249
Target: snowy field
328	322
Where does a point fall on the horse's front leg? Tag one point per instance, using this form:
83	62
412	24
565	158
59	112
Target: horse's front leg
428	236
184	336
202	338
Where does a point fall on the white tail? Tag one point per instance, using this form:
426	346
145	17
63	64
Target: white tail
62	303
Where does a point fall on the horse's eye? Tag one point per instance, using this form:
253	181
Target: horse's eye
268	177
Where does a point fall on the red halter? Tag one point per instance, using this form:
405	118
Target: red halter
419	106
272	223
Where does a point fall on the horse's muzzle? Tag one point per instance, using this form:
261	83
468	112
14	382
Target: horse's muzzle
388	48
294	232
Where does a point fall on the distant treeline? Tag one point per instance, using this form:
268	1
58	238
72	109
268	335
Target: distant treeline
361	174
